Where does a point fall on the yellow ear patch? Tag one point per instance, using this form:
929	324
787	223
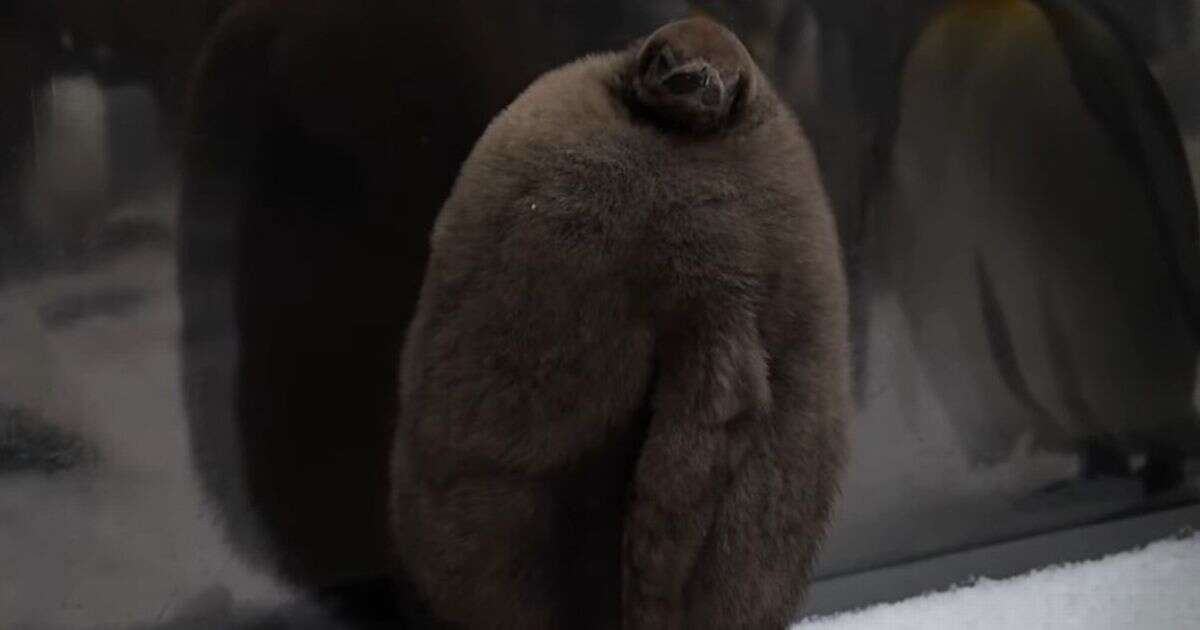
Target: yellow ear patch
997	9
984	16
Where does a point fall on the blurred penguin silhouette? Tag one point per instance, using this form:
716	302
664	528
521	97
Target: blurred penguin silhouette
1044	238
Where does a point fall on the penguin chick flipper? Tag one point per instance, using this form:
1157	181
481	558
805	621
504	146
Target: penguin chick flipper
711	383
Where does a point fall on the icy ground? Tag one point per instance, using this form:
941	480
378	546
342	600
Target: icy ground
1147	589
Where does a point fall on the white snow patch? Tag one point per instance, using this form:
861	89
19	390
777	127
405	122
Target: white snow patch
1150	588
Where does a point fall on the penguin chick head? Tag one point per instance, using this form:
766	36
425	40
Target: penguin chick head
693	74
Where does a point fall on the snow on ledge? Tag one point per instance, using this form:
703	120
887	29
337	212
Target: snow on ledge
1146	589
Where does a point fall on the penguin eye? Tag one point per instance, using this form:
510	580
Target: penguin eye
666	60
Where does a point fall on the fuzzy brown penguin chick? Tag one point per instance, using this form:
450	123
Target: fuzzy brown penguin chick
624	386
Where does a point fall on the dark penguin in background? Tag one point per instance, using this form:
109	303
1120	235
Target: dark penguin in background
1043	241
625	382
321	138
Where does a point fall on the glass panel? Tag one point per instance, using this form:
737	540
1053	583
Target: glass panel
204	286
